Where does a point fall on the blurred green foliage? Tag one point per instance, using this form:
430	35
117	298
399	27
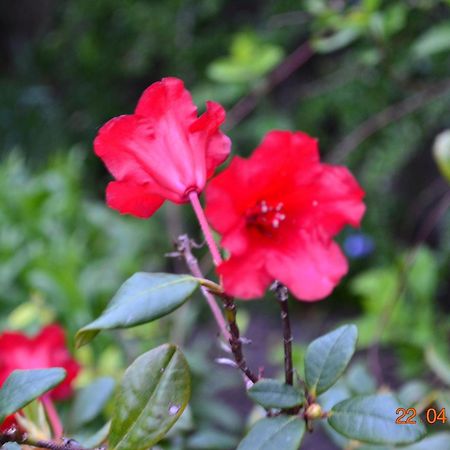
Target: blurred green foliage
60	248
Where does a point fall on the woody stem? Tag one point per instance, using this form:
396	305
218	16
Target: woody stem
53	416
235	339
193	197
282	295
13	435
184	247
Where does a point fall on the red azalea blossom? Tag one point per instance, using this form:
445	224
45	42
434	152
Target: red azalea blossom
278	212
162	151
46	349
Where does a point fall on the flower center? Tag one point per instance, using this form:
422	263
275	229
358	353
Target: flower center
266	217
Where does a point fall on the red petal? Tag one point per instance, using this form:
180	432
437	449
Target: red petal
207	134
245	276
51	336
229	194
330	201
120	143
7	423
166	95
280	150
129	198
310	267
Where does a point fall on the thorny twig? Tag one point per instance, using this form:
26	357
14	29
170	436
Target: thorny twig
232	334
184	249
14	435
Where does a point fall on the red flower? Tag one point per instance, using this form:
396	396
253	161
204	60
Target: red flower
162	151
278	212
47	349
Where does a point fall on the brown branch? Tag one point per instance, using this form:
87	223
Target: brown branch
235	339
184	246
14	435
282	295
248	103
385	117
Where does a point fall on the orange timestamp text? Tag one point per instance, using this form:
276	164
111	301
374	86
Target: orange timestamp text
432	415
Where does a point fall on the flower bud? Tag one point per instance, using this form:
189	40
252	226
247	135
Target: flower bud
314	411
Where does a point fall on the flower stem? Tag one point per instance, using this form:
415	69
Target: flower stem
282	295
193	197
184	247
53	416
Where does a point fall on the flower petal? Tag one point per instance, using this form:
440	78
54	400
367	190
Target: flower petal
167	95
227	195
130	198
310	266
331	200
206	134
245	276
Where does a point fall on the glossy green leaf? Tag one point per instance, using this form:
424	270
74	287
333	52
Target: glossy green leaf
153	394
328	356
275	433
142	298
90	401
275	394
23	386
438	441
371	419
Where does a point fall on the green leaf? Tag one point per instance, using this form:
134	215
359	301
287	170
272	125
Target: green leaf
142	298
24	386
327	357
371	419
338	40
413	392
359	380
438	364
241	66
98	438
11	446
275	394
211	440
441	153
153	394
439	441
275	433
90	401
435	40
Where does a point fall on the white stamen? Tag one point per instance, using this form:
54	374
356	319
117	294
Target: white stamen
264	207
